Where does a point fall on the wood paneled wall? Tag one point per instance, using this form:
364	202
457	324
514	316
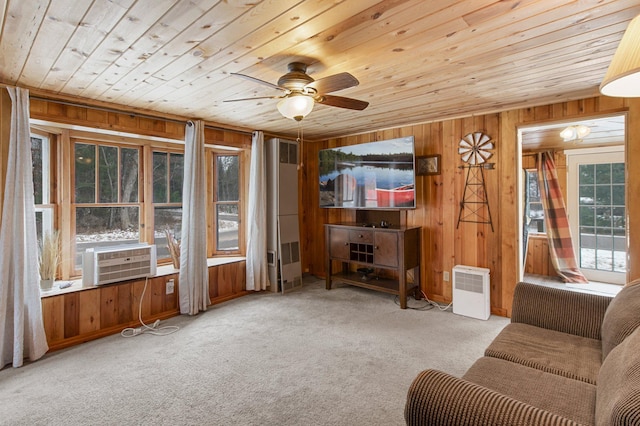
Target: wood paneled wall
164	127
444	244
85	315
227	281
538	260
73	318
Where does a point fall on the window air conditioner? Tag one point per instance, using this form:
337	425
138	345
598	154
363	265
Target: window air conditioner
103	265
471	292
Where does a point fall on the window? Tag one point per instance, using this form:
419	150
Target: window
534	211
168	172
106	193
113	190
41	157
226	203
601	216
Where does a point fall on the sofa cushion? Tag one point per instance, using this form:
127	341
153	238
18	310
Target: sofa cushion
559	309
569	398
621	318
552	351
618	394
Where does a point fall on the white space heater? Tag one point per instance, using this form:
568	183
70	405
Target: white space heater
471	292
103	265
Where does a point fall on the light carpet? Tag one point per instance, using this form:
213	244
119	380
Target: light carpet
310	357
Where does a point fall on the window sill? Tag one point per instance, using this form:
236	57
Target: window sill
163	270
597	288
539	235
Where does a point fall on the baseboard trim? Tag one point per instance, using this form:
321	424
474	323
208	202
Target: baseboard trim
76	340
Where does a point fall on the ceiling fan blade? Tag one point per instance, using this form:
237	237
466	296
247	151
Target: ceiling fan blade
333	83
251	99
341	102
257	80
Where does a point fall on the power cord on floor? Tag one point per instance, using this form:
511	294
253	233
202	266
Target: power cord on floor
426	307
154	329
435	304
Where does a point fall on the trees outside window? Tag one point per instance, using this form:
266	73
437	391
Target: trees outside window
111	191
168	172
106	195
533	204
602	219
41	156
226	202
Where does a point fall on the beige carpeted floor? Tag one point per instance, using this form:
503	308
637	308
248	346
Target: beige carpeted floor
311	357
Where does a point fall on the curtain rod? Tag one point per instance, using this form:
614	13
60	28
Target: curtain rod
134	114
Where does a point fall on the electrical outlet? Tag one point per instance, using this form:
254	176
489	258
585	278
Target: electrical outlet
445	275
170	286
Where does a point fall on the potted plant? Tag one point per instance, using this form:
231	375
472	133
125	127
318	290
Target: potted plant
49	259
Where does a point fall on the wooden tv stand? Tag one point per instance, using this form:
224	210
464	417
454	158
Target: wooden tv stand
395	248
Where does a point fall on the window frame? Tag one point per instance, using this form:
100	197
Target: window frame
74	205
527	202
150	215
62	179
604	155
48	208
212	203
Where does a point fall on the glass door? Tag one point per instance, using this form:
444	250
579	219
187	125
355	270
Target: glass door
597	212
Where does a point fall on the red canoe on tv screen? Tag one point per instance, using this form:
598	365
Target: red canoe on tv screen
402	196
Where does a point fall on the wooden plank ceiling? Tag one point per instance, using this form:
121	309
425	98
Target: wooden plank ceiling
416	60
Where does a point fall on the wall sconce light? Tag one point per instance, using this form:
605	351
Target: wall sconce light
575	133
623	76
296	106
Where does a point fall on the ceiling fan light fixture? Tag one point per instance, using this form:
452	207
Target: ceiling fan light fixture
623	76
296	106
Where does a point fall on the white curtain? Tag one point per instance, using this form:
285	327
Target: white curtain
21	328
257	274
194	275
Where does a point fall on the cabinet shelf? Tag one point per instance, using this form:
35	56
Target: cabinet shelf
361	252
376	283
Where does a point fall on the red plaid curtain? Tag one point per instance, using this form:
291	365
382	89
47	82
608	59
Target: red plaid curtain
555	216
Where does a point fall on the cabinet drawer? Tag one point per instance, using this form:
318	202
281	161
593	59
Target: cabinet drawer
361	236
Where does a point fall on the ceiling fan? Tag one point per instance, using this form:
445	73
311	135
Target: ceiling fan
301	91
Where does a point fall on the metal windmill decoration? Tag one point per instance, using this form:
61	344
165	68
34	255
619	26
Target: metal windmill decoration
475	149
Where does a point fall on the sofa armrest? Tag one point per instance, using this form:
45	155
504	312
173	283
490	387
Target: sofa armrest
436	398
572	312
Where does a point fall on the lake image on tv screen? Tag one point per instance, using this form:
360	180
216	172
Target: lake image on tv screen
370	175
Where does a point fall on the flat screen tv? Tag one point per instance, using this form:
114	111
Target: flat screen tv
374	175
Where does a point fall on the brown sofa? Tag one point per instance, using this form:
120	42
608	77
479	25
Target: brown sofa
566	358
